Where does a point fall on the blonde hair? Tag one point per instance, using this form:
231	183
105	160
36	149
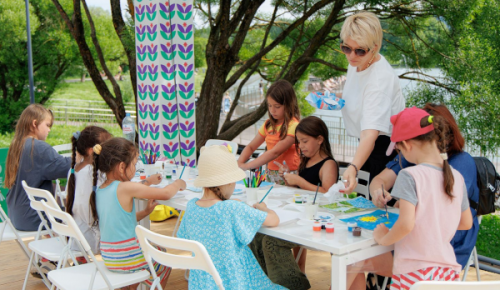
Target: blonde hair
365	29
24	129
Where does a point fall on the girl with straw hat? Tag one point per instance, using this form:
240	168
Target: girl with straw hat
225	227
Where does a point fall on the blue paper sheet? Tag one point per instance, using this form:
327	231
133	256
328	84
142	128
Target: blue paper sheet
361	202
378	217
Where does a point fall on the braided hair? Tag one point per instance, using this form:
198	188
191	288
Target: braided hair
81	142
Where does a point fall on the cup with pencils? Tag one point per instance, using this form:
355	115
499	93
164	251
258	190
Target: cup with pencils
253	182
149	158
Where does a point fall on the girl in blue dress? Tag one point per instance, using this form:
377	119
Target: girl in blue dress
225	227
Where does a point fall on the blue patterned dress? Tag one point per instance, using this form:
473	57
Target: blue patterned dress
225	229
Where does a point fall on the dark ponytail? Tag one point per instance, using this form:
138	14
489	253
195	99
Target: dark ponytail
439	134
93	207
216	190
70	199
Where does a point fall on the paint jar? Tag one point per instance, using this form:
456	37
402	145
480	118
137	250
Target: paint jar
356	231
351	225
304	198
317	227
143	175
297	198
329	228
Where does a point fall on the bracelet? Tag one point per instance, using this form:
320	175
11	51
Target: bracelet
355	167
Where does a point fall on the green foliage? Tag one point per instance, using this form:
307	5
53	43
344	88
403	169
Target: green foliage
488	239
53	53
305	108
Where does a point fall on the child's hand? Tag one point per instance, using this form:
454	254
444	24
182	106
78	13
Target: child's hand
261	206
282	168
180	183
151	206
154	179
380	231
292	179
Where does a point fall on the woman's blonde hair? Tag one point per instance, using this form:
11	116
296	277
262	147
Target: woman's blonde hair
24	128
365	29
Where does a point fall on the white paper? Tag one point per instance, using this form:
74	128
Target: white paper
334	193
287	215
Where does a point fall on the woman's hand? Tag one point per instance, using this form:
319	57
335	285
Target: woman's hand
292	179
349	179
378	198
154	179
379	233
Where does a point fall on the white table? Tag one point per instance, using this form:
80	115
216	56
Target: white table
343	247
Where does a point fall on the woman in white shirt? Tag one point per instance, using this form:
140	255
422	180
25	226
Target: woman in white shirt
372	95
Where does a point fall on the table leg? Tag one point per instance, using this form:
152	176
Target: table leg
339	273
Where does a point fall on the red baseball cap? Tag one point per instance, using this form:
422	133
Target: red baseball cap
406	125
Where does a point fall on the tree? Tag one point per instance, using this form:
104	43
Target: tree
94	62
296	37
53	54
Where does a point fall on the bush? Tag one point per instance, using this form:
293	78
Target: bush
488	239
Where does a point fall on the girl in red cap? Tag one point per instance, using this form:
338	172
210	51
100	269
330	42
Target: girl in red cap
432	200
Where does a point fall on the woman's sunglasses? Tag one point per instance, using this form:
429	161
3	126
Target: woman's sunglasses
358	51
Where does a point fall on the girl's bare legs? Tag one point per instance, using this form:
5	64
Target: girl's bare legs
380	265
302	259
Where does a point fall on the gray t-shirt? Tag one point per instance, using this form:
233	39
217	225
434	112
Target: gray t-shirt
405	188
38	168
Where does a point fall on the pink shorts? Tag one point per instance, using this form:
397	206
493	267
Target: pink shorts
404	281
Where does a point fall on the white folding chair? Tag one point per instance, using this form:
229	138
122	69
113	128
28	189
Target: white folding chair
442	285
60	194
473	260
360	188
91	276
51	248
234	145
200	261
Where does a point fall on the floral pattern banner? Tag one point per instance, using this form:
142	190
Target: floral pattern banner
165	78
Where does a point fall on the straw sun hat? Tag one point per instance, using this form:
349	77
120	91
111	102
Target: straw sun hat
216	167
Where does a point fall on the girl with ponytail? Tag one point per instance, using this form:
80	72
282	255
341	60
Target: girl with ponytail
432	200
113	208
80	182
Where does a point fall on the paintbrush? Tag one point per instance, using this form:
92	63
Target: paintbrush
383	195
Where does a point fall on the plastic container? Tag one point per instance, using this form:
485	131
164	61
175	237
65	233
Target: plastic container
356	231
128	128
351	225
143	176
317	227
329	228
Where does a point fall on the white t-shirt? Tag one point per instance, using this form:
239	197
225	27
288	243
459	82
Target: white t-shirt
81	207
371	97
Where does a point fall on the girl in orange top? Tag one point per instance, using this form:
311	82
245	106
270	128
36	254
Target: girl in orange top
278	132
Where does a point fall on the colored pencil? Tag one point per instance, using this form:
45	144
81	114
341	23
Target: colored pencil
245	182
182	172
266	194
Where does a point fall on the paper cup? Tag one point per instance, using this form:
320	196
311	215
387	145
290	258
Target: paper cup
252	194
150	169
311	210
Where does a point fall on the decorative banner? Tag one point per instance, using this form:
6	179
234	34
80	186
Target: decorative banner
165	78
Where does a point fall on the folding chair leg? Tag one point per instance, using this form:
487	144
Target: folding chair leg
299	254
476	264
33	261
385	283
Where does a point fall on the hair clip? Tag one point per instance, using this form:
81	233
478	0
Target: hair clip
97	149
72	170
444	156
76	135
430	119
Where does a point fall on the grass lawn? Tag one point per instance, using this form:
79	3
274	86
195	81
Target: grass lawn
488	239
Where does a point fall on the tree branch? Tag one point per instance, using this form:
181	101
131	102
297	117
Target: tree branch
100	54
435	82
237	126
305	60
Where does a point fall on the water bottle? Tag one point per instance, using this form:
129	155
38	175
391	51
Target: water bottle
128	127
